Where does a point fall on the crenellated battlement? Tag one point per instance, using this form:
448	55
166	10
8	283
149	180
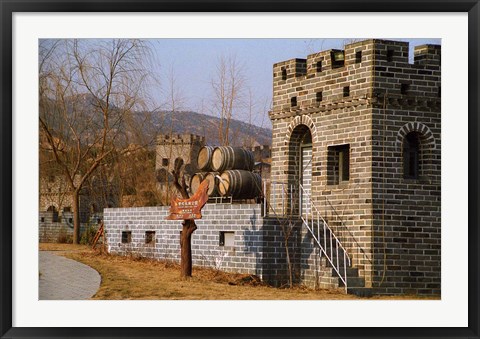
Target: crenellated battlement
261	152
179	139
361	71
427	55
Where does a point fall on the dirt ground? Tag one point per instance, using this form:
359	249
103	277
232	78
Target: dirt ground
139	278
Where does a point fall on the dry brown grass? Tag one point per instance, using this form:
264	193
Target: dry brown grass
140	278
62	247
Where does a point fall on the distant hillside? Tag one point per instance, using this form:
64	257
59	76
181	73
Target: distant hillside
241	133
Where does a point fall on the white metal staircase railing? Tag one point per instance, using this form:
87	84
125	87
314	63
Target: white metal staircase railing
323	235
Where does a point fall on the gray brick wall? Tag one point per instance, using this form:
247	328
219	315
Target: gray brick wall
407	215
173	148
389	225
54	227
258	242
244	220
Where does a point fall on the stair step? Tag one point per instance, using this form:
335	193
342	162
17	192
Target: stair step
323	234
353	282
327	282
352	272
341	268
364	292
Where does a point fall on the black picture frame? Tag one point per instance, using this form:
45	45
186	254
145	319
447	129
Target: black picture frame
8	7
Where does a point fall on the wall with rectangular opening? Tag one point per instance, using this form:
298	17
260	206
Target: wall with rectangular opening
338	164
227	239
337	58
358	57
150	237
126	237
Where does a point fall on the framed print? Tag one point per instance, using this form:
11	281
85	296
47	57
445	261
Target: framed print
333	147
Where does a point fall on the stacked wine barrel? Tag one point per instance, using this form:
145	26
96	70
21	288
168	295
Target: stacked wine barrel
228	171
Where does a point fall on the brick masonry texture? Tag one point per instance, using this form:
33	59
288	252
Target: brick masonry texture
172	149
55	195
257	247
54	227
370	102
184	147
244	220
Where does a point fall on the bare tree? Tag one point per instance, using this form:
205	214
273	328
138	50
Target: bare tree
89	94
228	93
256	112
134	179
249	141
174	102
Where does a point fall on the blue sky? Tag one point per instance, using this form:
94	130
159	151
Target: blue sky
193	64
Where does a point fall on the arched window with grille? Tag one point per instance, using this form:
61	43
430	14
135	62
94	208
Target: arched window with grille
411	156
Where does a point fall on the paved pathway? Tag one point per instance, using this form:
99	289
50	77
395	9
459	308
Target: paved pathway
65	279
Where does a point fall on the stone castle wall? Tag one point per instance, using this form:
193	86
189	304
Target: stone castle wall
333	119
256	248
407	215
172	149
177	146
366	99
55	228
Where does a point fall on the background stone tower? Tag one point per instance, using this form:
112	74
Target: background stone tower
175	149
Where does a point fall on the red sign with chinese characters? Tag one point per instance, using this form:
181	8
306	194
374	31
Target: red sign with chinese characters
184	209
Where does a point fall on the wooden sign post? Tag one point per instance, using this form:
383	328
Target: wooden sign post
186	209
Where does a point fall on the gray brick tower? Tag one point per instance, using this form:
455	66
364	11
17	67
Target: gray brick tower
172	149
359	128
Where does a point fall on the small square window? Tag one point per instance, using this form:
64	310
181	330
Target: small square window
358	57
126	237
149	237
319	66
319	96
346	91
338	164
284	73
227	239
70	220
338	58
390	54
293	101
164	162
42	219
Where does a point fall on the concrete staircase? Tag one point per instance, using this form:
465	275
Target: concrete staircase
335	269
335	265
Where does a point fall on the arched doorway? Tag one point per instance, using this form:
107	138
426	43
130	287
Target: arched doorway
300	168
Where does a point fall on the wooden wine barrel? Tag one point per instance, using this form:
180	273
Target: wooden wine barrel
229	158
212	184
204	158
240	184
196	180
